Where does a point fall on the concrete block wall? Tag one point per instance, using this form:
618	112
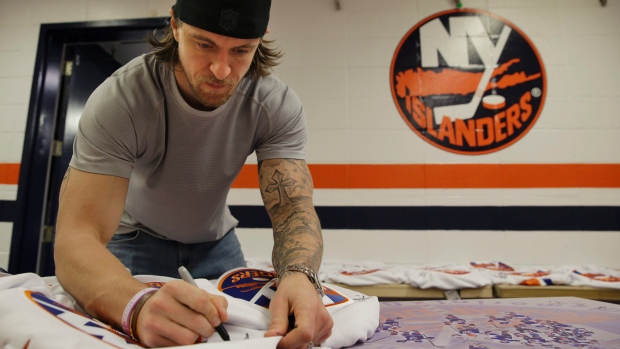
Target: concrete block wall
338	61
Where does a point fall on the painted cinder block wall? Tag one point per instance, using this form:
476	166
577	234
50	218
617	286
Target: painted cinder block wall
338	61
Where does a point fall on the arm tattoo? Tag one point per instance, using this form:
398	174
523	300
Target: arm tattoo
286	188
279	182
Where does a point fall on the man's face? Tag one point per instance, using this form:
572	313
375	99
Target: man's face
211	65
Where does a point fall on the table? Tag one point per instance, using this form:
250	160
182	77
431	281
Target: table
408	292
550	322
520	291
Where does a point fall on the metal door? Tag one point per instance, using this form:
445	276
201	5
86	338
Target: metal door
86	66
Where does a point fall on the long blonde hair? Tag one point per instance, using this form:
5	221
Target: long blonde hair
166	47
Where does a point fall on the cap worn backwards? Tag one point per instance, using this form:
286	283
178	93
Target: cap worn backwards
243	19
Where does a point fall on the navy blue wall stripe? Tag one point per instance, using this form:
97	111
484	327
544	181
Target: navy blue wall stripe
563	218
574	218
7	211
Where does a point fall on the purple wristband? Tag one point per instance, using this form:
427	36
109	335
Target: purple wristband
130	307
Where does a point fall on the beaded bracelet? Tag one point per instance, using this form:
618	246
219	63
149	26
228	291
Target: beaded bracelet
127	314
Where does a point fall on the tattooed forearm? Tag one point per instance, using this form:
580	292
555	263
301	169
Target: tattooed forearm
297	238
286	189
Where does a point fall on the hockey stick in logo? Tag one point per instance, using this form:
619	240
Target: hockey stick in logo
466	111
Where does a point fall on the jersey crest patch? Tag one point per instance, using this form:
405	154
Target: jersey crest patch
258	287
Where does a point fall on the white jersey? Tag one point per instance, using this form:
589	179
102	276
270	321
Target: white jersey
503	274
595	276
362	273
36	313
446	277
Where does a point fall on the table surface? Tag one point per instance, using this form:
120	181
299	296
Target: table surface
549	322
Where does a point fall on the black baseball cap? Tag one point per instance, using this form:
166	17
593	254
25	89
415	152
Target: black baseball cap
243	19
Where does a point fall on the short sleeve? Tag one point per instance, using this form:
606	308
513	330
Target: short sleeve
287	134
106	139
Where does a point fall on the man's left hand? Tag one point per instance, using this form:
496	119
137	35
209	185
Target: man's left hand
297	296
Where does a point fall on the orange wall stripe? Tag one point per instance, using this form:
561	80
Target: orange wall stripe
445	176
9	173
430	176
247	178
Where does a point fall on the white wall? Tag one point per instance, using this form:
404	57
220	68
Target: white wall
340	67
338	62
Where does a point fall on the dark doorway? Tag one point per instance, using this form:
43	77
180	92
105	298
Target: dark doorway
86	66
72	60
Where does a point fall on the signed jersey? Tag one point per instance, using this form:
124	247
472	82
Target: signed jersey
37	313
355	315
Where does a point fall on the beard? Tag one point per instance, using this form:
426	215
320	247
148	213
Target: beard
212	99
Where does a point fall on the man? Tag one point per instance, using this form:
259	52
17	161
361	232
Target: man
159	144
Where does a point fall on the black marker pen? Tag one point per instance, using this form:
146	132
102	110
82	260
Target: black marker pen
187	277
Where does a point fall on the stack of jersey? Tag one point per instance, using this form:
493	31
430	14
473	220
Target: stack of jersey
361	273
352	273
595	276
502	273
38	313
446	277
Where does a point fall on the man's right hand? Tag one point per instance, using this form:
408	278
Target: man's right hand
180	314
90	209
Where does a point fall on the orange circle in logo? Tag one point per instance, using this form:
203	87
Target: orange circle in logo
468	81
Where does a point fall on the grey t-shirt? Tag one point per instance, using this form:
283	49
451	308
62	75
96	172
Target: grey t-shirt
181	161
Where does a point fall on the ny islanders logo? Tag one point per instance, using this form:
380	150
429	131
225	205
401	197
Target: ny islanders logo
468	81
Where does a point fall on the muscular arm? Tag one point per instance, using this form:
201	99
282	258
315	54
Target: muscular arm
286	188
91	206
90	209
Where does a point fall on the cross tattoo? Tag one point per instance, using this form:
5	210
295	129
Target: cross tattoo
279	183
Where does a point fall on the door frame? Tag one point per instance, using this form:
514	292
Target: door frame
34	176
